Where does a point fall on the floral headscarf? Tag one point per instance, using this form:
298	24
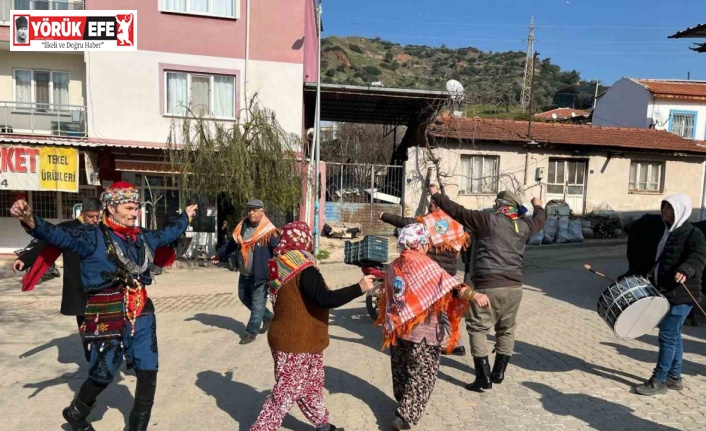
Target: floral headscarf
413	237
295	236
292	256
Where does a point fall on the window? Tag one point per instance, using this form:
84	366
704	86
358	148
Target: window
479	174
6	201
68	200
44	204
207	95
41	90
45	5
222	8
683	123
645	176
566	176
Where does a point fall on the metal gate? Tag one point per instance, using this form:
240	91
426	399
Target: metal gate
359	193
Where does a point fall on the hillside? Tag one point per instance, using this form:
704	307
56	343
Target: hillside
491	79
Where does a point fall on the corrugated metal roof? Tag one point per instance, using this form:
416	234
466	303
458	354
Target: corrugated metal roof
373	105
83	143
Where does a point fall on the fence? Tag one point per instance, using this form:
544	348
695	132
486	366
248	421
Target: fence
359	193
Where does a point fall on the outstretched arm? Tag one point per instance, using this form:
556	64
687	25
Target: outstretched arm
314	287
474	220
170	233
81	240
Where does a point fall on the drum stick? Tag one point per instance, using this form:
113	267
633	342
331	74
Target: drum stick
589	269
694	299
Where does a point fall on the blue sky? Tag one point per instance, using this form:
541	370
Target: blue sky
602	39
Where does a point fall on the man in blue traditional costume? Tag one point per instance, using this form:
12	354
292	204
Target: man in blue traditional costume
116	258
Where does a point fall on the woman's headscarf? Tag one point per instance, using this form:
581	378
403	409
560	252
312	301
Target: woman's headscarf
292	256
416	286
413	237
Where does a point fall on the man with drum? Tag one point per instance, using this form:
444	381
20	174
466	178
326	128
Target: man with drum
498	273
672	253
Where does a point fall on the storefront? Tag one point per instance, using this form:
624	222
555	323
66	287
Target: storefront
51	178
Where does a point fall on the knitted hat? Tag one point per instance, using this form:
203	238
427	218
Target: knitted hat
120	193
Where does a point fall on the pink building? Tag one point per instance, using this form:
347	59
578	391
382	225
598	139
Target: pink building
119	106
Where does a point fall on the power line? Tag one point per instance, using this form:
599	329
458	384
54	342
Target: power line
485	24
563	41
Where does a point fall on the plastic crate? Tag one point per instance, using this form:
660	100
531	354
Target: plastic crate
371	251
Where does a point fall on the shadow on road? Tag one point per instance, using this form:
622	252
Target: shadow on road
650	358
218	321
70	351
242	402
382	406
599	414
357	320
537	358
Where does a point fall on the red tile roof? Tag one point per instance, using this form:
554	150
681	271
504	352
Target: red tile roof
562	114
483	129
675	89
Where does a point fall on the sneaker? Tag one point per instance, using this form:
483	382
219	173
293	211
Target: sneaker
651	387
399	424
247	339
265	325
675	384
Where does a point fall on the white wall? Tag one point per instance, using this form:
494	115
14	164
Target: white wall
625	104
60	62
662	107
124	96
606	183
13	236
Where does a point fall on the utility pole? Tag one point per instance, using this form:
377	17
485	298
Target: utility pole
531	98
529	70
595	95
317	134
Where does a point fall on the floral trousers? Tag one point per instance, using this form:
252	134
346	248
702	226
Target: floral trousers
414	369
299	378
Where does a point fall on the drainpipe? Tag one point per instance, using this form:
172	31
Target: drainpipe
247	56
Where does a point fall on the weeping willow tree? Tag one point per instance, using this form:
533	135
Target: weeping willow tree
251	158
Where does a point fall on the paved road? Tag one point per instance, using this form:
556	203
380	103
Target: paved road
569	372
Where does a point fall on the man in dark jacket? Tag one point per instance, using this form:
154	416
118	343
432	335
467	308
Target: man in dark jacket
672	253
73	297
691	318
447	259
500	239
253	240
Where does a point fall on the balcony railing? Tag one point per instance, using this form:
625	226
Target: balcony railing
42	119
7	5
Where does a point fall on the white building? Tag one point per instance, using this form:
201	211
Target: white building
677	106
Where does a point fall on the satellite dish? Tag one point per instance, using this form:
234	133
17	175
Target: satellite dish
554	116
455	89
573	114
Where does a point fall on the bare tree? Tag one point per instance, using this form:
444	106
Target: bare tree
358	143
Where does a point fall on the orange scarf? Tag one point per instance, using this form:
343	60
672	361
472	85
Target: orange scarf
262	235
445	233
415	286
